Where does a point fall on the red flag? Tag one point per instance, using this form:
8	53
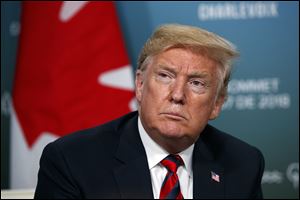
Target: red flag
68	53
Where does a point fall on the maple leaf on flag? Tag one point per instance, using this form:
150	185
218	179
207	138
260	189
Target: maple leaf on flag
67	51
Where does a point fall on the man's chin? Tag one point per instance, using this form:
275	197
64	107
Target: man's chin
172	132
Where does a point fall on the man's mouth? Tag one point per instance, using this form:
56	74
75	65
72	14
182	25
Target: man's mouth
174	115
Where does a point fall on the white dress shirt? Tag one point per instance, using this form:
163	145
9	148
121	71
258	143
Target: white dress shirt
155	154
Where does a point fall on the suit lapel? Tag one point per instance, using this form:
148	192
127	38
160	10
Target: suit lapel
131	169
204	164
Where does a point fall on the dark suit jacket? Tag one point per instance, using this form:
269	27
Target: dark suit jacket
109	161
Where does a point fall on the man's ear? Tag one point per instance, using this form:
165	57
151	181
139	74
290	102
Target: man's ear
217	107
139	80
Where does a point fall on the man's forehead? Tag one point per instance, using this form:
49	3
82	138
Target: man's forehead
183	56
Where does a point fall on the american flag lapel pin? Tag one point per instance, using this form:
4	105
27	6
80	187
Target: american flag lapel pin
215	177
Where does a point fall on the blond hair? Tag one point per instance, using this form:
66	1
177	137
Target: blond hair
196	39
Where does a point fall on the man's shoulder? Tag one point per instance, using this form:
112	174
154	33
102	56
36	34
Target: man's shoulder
101	137
222	143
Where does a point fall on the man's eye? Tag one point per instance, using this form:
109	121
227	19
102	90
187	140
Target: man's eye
163	77
197	86
197	83
166	74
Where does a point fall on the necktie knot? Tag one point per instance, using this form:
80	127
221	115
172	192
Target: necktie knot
172	162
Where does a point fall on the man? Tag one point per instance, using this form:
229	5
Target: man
166	149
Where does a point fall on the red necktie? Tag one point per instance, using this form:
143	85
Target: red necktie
170	188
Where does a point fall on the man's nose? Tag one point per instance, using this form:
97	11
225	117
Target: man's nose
178	95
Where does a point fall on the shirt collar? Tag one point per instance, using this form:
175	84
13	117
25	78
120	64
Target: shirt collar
156	153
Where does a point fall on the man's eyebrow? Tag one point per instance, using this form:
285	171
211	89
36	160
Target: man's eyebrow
195	74
199	75
165	67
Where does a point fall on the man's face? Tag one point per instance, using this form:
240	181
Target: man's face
177	95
